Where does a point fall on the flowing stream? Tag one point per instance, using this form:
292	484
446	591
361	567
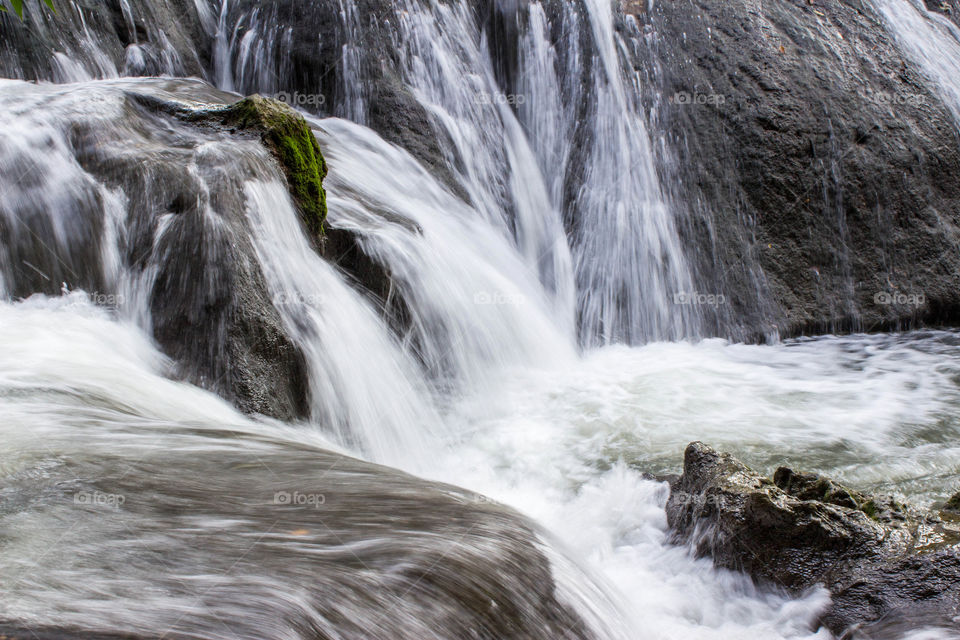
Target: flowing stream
545	370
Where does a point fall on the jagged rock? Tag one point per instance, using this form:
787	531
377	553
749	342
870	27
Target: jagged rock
879	558
210	307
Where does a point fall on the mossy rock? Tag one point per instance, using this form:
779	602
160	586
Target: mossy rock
811	486
289	138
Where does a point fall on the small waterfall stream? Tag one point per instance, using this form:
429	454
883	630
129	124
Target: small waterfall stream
932	41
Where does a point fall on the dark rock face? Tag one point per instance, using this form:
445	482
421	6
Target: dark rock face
210	305
953	505
878	558
817	166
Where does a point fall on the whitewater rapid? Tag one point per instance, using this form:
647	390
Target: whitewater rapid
565	444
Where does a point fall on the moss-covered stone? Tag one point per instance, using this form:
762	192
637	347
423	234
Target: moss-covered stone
289	138
811	486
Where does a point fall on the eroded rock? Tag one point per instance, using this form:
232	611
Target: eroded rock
878	557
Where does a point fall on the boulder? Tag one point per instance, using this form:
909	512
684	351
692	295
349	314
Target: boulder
879	558
284	540
183	236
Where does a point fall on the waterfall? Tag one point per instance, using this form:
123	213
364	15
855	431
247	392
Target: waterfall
129	254
516	148
178	355
550	143
557	156
477	307
112	248
932	42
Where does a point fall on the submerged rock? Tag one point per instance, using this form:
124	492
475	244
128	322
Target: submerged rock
878	557
275	539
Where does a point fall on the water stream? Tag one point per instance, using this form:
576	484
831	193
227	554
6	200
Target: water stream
541	366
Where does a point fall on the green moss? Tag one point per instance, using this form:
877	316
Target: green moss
289	138
869	508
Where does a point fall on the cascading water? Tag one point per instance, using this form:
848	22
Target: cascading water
932	41
608	250
627	258
136	503
477	307
146	439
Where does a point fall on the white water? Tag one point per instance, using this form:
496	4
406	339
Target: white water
479	308
565	444
932	41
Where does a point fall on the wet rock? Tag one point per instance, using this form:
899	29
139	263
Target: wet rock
373	94
815	160
188	237
97	38
287	135
878	557
280	539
